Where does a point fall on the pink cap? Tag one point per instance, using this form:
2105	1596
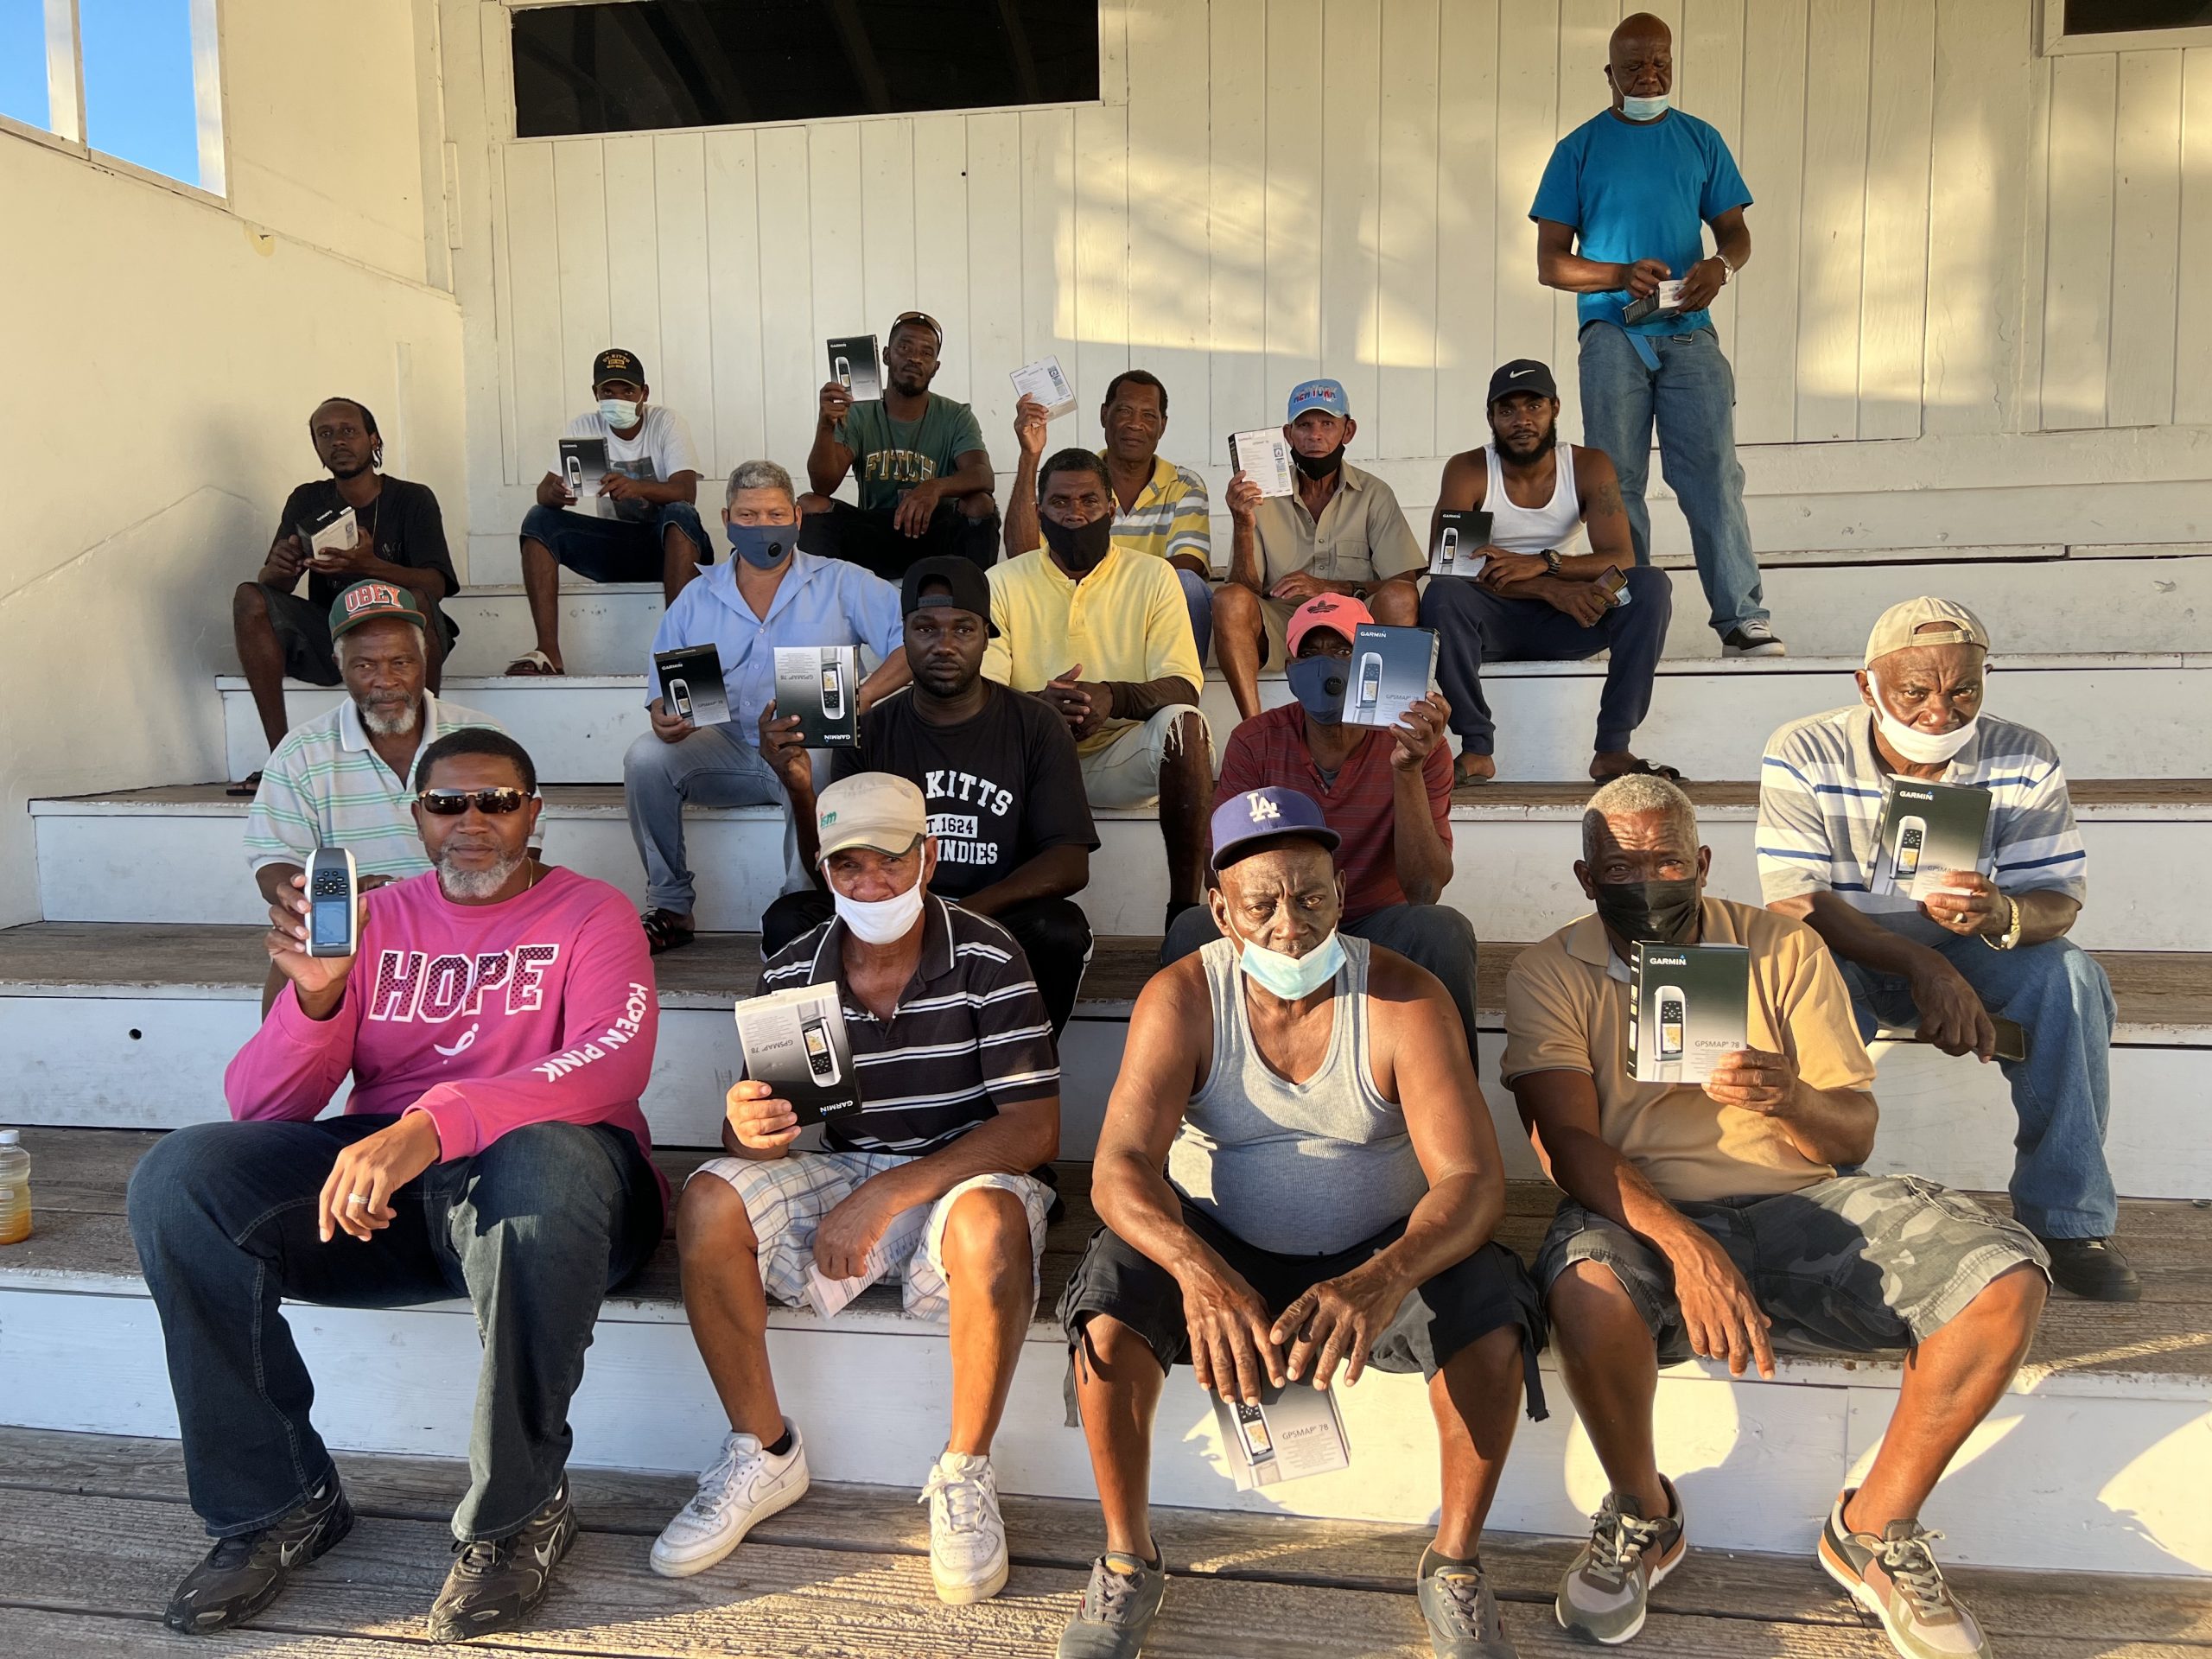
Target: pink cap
1338	613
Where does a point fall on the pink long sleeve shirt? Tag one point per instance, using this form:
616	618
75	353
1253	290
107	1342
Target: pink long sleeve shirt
540	1009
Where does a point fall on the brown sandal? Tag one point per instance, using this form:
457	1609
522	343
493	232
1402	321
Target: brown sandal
530	664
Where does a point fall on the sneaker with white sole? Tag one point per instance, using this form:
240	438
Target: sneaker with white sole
1752	638
967	1537
741	1488
1118	1605
1895	1577
1608	1586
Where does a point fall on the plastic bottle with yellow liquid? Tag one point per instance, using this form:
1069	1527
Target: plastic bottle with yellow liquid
14	1188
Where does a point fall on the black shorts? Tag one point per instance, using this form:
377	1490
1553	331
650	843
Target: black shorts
1459	1305
871	541
302	627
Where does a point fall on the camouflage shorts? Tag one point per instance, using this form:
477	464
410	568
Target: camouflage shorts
1859	1264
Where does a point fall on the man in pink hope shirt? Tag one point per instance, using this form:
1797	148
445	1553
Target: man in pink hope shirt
499	1022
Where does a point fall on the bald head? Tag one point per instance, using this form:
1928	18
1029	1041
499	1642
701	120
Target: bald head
1640	58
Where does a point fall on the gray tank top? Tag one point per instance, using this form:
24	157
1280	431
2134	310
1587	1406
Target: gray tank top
1295	1168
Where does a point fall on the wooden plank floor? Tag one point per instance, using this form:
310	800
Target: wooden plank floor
78	1178
94	1531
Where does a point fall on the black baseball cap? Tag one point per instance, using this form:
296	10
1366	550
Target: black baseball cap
1522	374
966	587
615	364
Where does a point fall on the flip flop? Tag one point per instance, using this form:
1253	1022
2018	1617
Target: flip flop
531	664
1642	769
661	934
245	790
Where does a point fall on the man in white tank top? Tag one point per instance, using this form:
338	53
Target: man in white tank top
1526	597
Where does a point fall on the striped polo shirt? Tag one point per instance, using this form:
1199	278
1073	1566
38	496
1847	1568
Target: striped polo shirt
1171	515
325	786
1821	807
970	1037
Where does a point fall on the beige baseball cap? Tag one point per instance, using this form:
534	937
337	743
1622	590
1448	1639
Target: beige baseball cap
870	809
1900	626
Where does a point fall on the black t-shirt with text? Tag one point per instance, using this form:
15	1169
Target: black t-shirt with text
404	520
1001	786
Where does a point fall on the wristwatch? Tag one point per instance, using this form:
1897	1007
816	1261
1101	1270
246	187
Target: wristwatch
2012	928
1551	559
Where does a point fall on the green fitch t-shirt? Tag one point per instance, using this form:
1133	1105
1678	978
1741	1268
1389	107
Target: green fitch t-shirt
890	457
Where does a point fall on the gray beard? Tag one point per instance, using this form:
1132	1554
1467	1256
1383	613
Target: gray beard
467	886
392	724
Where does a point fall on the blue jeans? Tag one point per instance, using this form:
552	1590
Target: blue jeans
533	1230
1197	595
1473	623
617	550
2057	994
711	767
1692	395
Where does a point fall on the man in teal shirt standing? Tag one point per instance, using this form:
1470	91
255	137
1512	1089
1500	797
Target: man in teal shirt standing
1620	213
918	460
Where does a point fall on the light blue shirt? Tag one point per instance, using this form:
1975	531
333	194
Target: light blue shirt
819	603
1633	190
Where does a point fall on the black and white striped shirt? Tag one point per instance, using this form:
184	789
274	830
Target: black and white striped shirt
970	1037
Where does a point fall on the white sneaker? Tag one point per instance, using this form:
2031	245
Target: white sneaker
1755	638
967	1538
741	1488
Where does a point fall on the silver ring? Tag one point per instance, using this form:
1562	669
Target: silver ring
356	1198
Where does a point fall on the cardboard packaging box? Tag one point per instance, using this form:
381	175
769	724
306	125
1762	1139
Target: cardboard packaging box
1688	1008
855	364
1263	457
1456	549
1667	302
691	684
1391	668
583	469
1927	830
334	529
1294	1431
1044	381
794	1041
820	684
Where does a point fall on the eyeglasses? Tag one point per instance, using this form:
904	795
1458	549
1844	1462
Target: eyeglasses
922	317
452	803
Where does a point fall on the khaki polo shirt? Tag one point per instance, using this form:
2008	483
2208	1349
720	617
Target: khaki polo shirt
1362	535
1566	1012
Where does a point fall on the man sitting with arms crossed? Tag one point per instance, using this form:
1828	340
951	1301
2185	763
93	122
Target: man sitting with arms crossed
928	1182
1341	531
1160	508
1532	602
340	780
1386	795
998	773
923	475
498	1023
1318	1209
1700	1219
1102	635
1995	944
768	594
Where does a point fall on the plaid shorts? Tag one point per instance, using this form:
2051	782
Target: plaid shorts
786	1197
1852	1265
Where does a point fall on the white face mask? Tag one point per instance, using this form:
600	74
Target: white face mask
1922	748
881	921
1290	977
618	413
1646	108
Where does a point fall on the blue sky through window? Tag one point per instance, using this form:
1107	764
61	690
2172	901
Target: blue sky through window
22	60
138	98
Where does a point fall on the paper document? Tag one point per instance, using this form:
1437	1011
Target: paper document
1043	381
1263	457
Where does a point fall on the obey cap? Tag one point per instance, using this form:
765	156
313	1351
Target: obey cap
1267	814
1338	613
614	364
1899	627
1327	396
966	587
365	601
875	810
1522	374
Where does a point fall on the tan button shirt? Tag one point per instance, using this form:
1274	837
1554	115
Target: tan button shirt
1564	1012
1362	535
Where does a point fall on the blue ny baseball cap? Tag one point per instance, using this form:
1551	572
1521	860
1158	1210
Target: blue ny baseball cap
1267	815
1327	396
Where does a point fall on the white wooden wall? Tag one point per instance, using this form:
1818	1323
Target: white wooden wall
1952	236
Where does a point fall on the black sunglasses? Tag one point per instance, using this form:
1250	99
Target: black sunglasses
924	319
452	803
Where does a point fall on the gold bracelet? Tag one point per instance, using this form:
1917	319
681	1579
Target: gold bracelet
2012	929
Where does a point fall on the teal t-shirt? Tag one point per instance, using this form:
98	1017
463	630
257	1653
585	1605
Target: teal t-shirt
890	457
1637	190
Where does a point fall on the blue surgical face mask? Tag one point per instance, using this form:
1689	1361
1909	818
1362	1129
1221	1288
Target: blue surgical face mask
762	546
1291	977
1318	682
618	413
1646	108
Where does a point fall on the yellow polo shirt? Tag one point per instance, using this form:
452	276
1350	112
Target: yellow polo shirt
1125	620
1566	1012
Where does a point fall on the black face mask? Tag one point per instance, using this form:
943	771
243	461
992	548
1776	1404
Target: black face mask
1081	548
1318	682
1649	912
1319	466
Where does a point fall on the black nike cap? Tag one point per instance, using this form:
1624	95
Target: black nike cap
1522	374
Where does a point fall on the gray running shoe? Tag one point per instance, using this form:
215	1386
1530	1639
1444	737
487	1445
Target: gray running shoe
1895	1577
495	1584
1118	1605
1606	1589
242	1574
1462	1614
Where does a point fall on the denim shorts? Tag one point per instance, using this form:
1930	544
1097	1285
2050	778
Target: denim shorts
617	550
1853	1265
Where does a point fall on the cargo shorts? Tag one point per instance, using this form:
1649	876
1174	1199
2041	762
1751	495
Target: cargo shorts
1853	1265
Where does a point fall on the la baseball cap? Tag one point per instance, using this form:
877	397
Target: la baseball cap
966	587
365	601
1338	613
614	364
1522	374
1327	396
1267	815
1900	626
876	810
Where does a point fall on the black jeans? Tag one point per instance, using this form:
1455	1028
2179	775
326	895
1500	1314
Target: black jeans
534	1230
1052	932
870	540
